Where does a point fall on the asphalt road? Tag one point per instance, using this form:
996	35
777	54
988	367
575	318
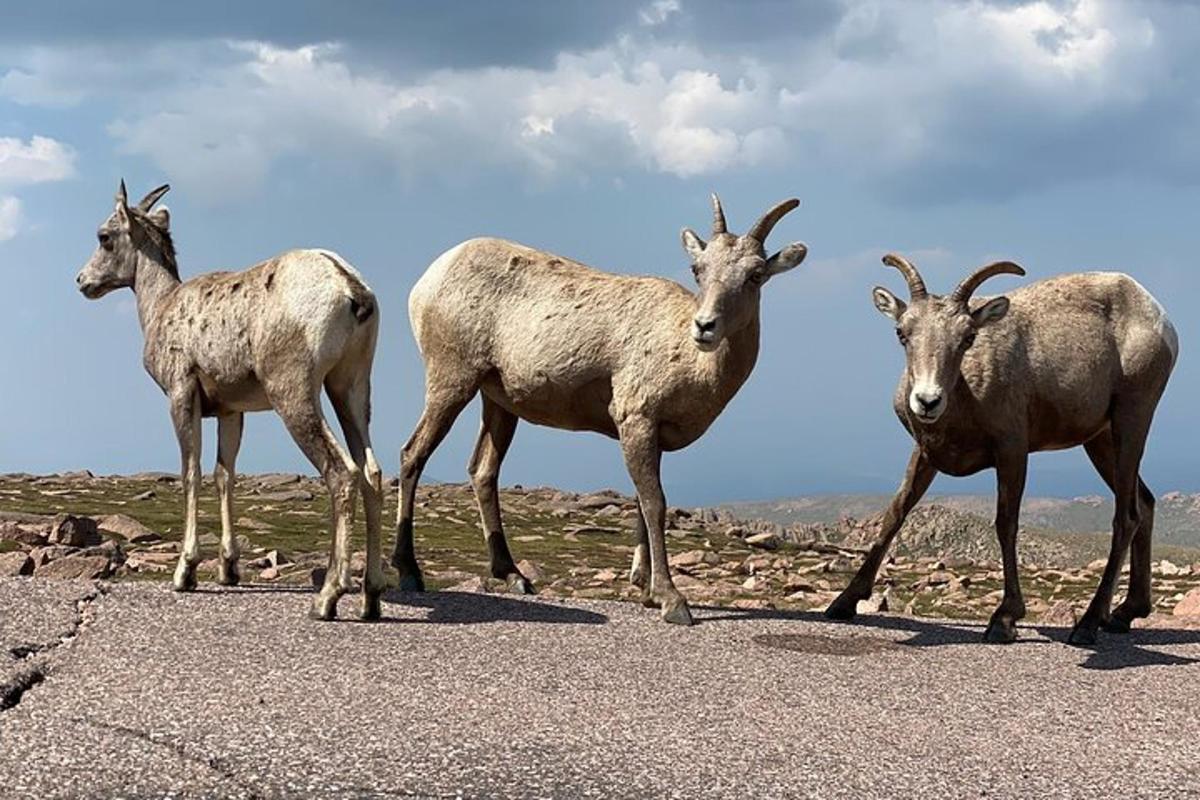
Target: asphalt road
134	691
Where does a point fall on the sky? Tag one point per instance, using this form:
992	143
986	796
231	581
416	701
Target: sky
1061	135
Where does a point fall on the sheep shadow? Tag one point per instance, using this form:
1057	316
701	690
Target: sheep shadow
1111	652
473	608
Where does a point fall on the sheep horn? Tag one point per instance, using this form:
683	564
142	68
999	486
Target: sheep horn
916	285
767	221
153	197
965	289
718	216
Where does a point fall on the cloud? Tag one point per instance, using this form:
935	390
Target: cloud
926	102
10	217
41	160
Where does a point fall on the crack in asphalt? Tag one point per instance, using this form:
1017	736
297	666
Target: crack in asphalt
214	763
13	691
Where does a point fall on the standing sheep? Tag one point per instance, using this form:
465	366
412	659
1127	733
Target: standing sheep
549	340
270	337
1078	359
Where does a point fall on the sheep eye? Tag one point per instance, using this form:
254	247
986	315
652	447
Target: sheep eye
105	239
969	340
696	271
757	277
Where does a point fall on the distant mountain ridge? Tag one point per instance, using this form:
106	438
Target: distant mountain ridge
1176	519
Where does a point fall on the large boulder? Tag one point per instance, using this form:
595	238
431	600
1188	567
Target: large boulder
1189	606
27	533
127	528
76	566
73	531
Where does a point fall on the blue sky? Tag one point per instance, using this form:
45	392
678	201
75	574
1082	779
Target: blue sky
1062	135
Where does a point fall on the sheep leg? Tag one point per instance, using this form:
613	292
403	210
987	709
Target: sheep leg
1011	466
917	478
441	409
639	571
305	421
643	459
495	435
185	414
1138	603
229	439
1128	441
353	408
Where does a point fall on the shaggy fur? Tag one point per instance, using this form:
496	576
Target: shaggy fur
557	343
269	337
1079	359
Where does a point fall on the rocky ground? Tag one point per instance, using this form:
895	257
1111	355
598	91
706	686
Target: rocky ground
76	525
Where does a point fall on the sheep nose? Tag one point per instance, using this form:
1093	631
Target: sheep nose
706	325
929	401
79	279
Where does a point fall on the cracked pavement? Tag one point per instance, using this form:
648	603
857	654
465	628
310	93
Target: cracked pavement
235	693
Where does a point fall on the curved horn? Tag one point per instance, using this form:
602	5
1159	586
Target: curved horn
153	197
916	285
964	290
718	216
767	221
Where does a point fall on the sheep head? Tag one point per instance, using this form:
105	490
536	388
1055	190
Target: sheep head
731	270
113	265
937	331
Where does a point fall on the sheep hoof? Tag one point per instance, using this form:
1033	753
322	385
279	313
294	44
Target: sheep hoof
324	609
412	583
185	577
227	573
372	609
677	614
1082	635
519	584
1000	632
843	608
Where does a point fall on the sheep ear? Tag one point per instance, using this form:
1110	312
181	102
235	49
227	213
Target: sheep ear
888	304
161	217
787	258
990	311
692	244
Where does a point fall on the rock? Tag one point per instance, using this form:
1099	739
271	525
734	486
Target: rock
292	495
694	558
605	576
595	502
269	574
127	528
754	583
1098	565
33	535
763	541
736	532
13	564
76	475
44	555
876	603
474	585
73	531
1189	606
149	494
277	480
1060	615
276	558
531	570
75	566
1165	567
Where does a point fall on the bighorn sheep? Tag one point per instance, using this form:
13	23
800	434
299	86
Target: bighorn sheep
557	343
270	337
1077	359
